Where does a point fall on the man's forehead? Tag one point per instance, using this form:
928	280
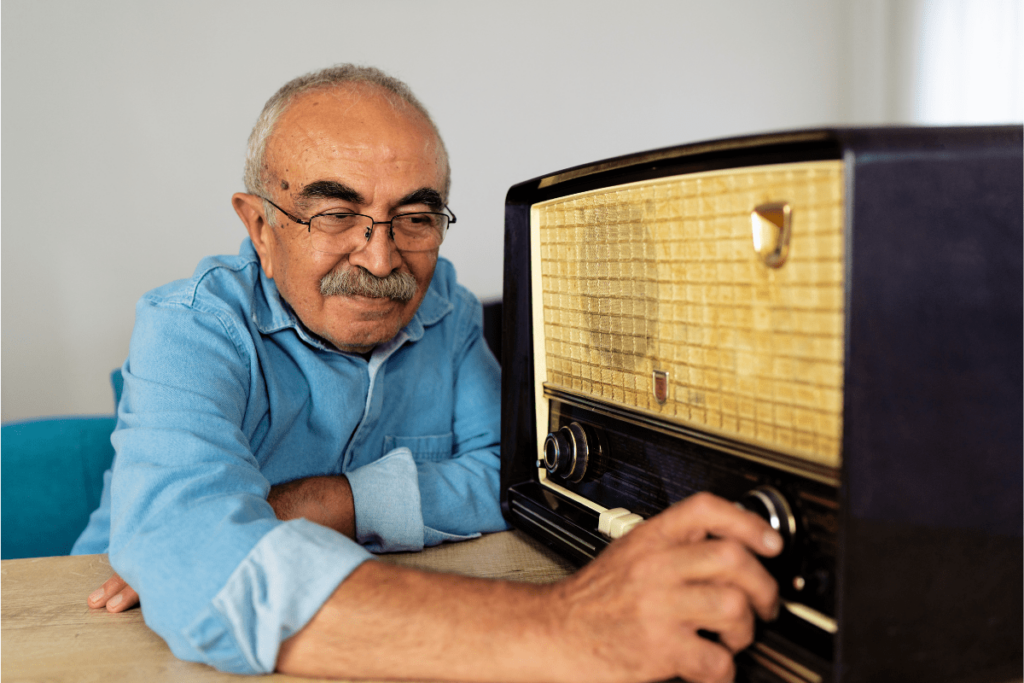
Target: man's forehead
356	111
344	123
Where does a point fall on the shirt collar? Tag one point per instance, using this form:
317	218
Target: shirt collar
272	314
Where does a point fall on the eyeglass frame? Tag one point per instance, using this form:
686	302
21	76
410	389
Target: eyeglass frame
373	223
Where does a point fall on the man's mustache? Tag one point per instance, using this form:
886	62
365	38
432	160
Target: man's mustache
357	281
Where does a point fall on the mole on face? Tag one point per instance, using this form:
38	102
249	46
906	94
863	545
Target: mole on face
284	185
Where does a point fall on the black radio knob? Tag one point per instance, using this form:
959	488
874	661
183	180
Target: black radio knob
768	503
567	452
556	452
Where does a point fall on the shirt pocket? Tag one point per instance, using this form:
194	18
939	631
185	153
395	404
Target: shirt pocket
424	448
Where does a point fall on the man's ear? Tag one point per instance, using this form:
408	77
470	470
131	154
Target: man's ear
250	209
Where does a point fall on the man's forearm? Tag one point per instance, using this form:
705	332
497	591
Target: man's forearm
325	500
386	621
634	614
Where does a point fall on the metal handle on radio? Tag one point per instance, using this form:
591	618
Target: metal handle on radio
567	452
771	225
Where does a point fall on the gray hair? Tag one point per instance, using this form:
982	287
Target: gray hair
396	92
355	280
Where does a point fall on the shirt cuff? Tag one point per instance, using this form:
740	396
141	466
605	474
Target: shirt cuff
386	498
283	581
435	537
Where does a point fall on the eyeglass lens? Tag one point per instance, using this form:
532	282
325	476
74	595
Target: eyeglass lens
345	232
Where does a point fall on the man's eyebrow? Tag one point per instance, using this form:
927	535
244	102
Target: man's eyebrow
424	195
329	189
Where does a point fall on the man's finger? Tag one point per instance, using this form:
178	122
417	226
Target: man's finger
712	563
727	562
115	594
723	610
702	515
126	598
702	661
111	587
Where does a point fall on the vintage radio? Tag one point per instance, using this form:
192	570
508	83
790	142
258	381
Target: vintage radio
824	326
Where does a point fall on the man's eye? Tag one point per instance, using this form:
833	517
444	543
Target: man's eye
338	221
340	217
420	219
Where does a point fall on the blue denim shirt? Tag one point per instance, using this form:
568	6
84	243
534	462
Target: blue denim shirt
225	395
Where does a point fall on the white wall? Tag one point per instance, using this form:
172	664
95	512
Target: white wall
124	125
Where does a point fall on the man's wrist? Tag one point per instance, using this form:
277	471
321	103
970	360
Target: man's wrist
325	500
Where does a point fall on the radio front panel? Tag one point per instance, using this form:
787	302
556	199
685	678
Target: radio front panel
653	296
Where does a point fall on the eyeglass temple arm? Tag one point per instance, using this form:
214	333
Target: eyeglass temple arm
292	218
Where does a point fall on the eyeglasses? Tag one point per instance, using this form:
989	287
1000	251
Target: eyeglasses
335	232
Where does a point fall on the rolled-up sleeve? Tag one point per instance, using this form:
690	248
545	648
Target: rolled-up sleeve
268	598
386	498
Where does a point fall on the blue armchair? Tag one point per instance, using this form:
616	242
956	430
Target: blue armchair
51	477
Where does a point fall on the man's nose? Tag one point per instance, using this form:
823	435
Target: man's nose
378	254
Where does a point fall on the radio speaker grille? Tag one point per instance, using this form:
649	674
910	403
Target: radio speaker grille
662	275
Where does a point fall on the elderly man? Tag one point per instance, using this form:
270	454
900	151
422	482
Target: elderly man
327	393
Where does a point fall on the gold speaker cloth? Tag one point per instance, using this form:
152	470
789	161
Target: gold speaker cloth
662	275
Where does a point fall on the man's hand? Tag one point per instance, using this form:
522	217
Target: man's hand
114	594
633	614
636	611
324	500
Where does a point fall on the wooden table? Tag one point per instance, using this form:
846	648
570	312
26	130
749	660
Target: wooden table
48	633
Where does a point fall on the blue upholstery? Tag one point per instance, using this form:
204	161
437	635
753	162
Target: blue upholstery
51	478
117	384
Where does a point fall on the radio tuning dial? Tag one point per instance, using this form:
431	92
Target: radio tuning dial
768	503
567	452
556	449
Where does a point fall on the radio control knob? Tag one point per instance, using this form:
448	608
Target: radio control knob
567	452
556	452
768	503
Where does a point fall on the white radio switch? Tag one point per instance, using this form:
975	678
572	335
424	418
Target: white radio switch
620	526
605	520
